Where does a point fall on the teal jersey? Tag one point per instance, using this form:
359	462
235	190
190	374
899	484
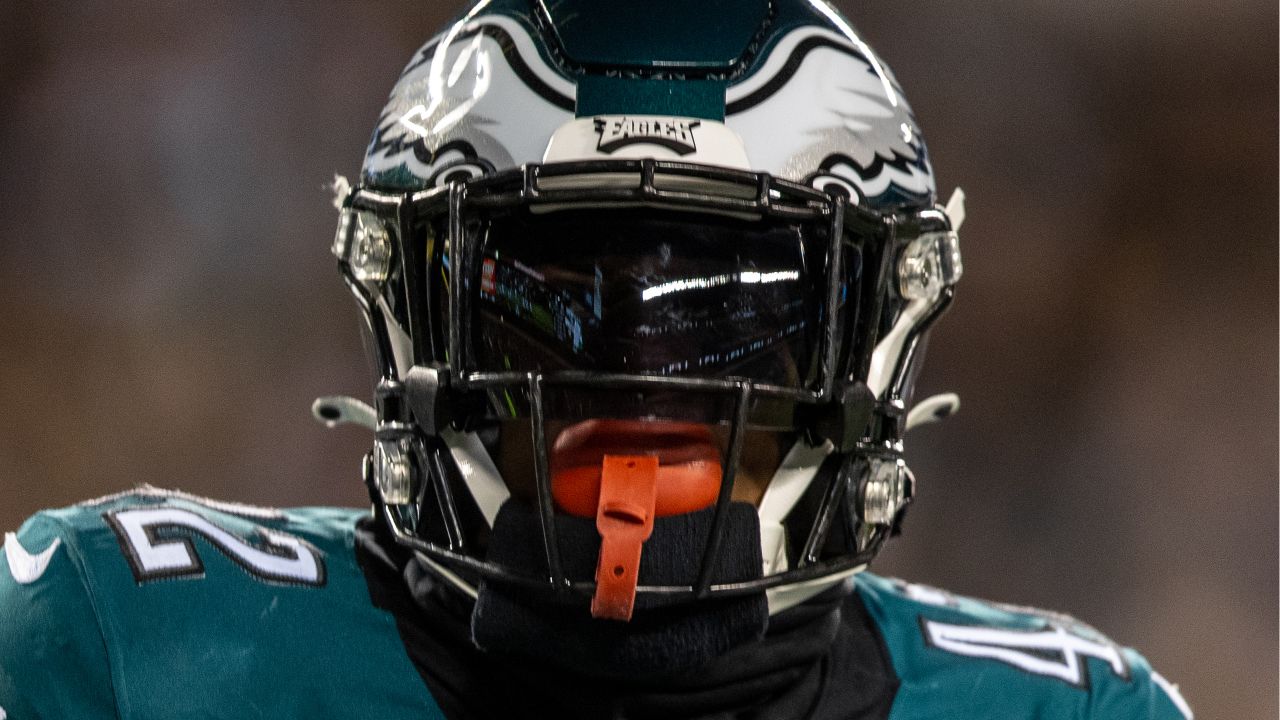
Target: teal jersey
960	658
156	604
153	604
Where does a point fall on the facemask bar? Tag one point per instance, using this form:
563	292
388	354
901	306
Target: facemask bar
631	183
927	270
412	412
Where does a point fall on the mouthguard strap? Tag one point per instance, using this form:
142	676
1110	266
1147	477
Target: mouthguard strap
624	519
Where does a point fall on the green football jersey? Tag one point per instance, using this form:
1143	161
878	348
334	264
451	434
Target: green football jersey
154	604
960	658
157	604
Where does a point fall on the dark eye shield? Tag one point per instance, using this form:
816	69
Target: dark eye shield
671	293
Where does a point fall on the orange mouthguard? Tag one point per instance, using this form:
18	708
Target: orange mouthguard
625	492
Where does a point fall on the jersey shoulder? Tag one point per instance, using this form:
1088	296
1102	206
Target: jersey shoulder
153	599
959	657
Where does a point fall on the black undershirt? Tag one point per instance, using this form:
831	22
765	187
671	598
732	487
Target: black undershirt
821	660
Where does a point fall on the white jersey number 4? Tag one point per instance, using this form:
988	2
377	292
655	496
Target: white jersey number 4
1053	652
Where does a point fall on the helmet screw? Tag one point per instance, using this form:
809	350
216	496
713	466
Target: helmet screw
886	491
393	471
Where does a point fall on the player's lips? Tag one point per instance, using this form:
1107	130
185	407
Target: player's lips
688	458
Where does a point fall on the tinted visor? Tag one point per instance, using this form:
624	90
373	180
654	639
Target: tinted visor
651	292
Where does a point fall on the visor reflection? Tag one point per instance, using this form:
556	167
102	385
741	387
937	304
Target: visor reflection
666	294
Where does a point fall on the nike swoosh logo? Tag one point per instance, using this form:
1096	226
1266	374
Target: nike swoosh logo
25	567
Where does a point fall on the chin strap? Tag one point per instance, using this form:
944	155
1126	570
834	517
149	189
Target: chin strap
955	208
788	596
784	490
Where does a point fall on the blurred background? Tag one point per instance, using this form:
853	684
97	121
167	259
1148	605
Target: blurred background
168	306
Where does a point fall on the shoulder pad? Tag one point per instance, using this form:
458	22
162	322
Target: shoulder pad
157	599
964	658
53	661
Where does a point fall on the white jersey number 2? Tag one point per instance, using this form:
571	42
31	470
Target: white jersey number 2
158	544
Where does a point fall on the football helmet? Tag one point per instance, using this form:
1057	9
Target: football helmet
707	225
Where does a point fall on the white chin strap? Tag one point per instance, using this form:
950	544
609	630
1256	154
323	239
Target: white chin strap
793	477
478	472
